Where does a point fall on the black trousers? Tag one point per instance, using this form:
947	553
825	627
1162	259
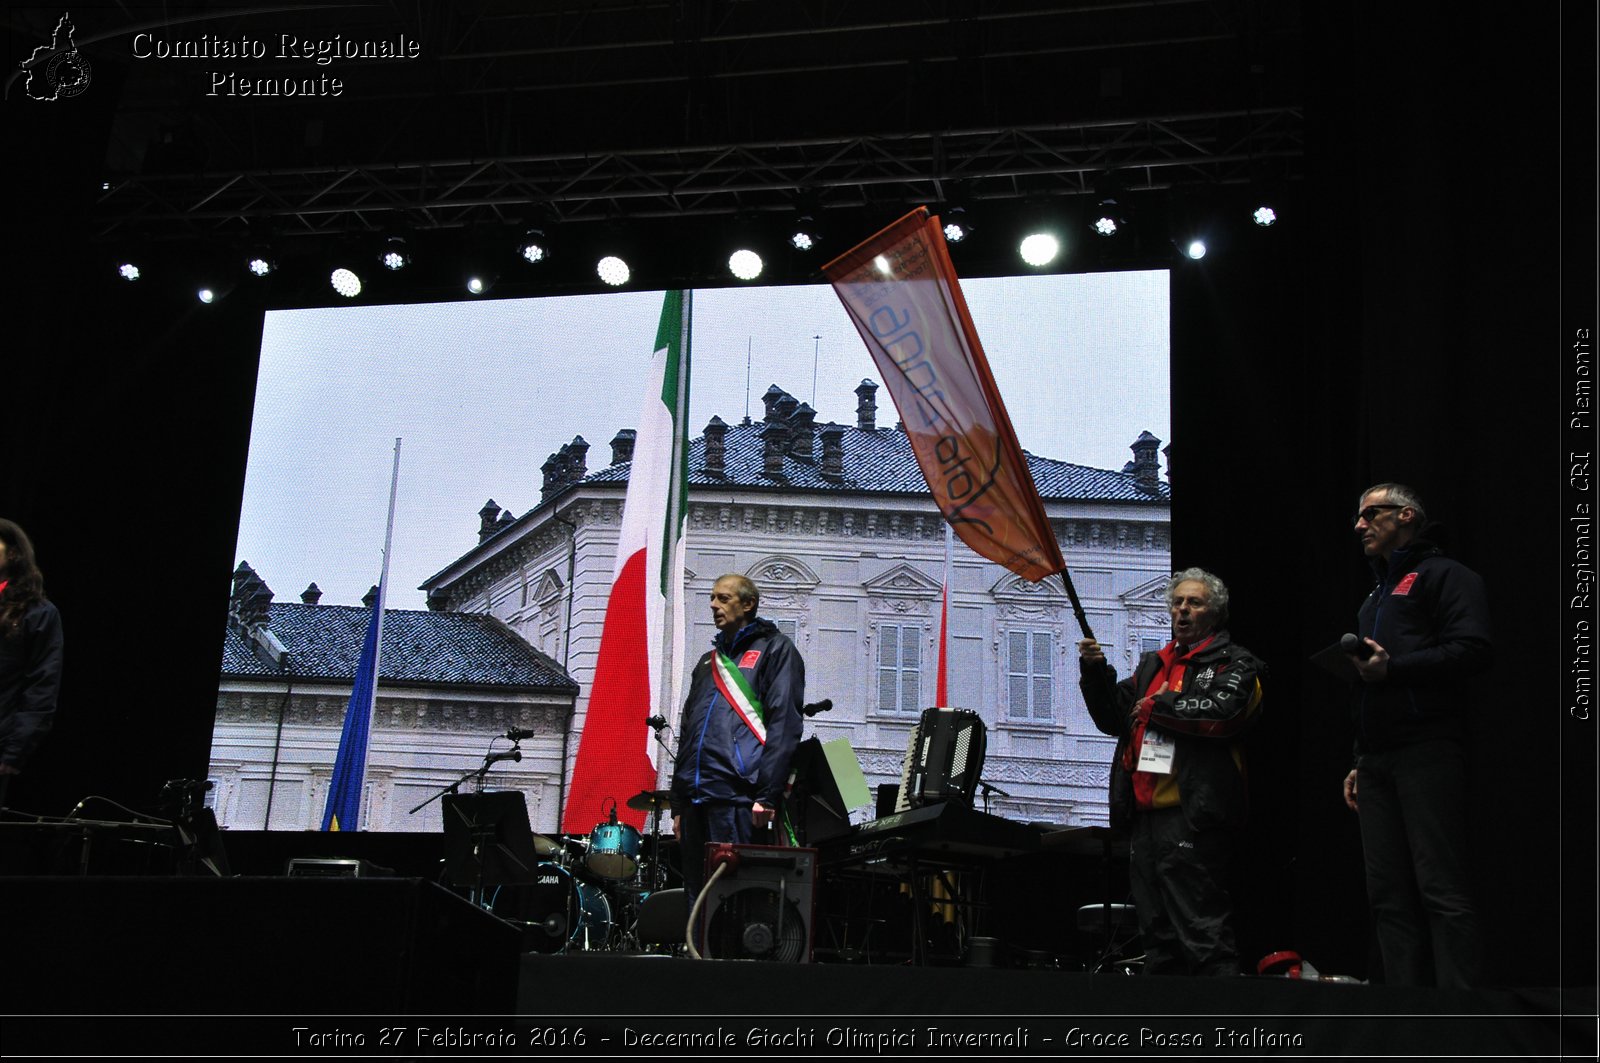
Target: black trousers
1413	809
1179	878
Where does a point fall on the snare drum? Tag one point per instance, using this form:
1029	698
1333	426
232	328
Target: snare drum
556	911
613	850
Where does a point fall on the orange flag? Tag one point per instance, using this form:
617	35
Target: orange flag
904	297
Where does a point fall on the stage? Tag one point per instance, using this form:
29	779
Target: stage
351	966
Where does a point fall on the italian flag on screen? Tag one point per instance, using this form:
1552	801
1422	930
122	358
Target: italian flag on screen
641	645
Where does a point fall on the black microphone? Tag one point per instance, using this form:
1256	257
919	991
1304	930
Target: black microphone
517	734
657	722
817	706
511	754
1356	645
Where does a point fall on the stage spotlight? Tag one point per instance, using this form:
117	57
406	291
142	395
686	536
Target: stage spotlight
260	265
345	282
1039	249
477	285
1265	216
206	295
533	248
1108	217
745	264
129	272
395	253
613	271
1196	249
804	236
957	226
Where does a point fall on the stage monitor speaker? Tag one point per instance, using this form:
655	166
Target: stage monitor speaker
762	906
944	759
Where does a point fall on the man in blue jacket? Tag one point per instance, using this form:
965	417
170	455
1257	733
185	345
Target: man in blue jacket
1425	634
741	723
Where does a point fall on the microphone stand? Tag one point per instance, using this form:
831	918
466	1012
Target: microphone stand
514	753
658	878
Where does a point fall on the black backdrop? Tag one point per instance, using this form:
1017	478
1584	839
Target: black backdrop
1409	324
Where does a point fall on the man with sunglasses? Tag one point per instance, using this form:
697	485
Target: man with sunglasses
1424	634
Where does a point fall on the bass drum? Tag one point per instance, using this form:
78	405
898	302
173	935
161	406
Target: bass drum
556	911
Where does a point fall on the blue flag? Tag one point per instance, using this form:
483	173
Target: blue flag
350	767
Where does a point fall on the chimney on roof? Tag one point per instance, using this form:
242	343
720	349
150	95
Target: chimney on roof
716	460
577	453
251	599
552	476
867	405
487	518
770	400
774	445
249	610
1146	467
803	433
506	520
311	595
622	445
833	452
371	597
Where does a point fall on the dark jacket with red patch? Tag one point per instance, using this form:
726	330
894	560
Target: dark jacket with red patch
719	758
1431	615
1221	691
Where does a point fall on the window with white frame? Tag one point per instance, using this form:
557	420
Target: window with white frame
900	668
1028	677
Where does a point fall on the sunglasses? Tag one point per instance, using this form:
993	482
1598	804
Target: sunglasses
1372	511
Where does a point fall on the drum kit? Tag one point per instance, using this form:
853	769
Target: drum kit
586	892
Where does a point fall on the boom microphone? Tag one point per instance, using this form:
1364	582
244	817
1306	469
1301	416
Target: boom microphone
517	734
656	723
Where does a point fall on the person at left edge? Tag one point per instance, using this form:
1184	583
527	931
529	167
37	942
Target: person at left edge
30	654
741	723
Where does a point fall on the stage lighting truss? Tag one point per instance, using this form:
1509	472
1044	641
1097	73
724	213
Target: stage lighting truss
345	282
745	264
613	271
1039	249
1265	216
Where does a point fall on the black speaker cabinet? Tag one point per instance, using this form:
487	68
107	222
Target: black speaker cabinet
763	906
247	946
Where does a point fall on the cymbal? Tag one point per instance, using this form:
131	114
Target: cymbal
649	800
544	846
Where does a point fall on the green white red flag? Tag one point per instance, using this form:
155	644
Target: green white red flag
639	670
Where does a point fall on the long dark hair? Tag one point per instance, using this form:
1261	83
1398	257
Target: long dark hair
24	581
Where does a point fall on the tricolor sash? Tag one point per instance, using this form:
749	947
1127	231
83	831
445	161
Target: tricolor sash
732	684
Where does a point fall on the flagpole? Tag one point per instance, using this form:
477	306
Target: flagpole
1077	606
668	683
343	809
383	573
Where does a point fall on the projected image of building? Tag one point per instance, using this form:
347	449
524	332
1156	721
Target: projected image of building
835	525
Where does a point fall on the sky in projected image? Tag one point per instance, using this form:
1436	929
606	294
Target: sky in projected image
483	392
